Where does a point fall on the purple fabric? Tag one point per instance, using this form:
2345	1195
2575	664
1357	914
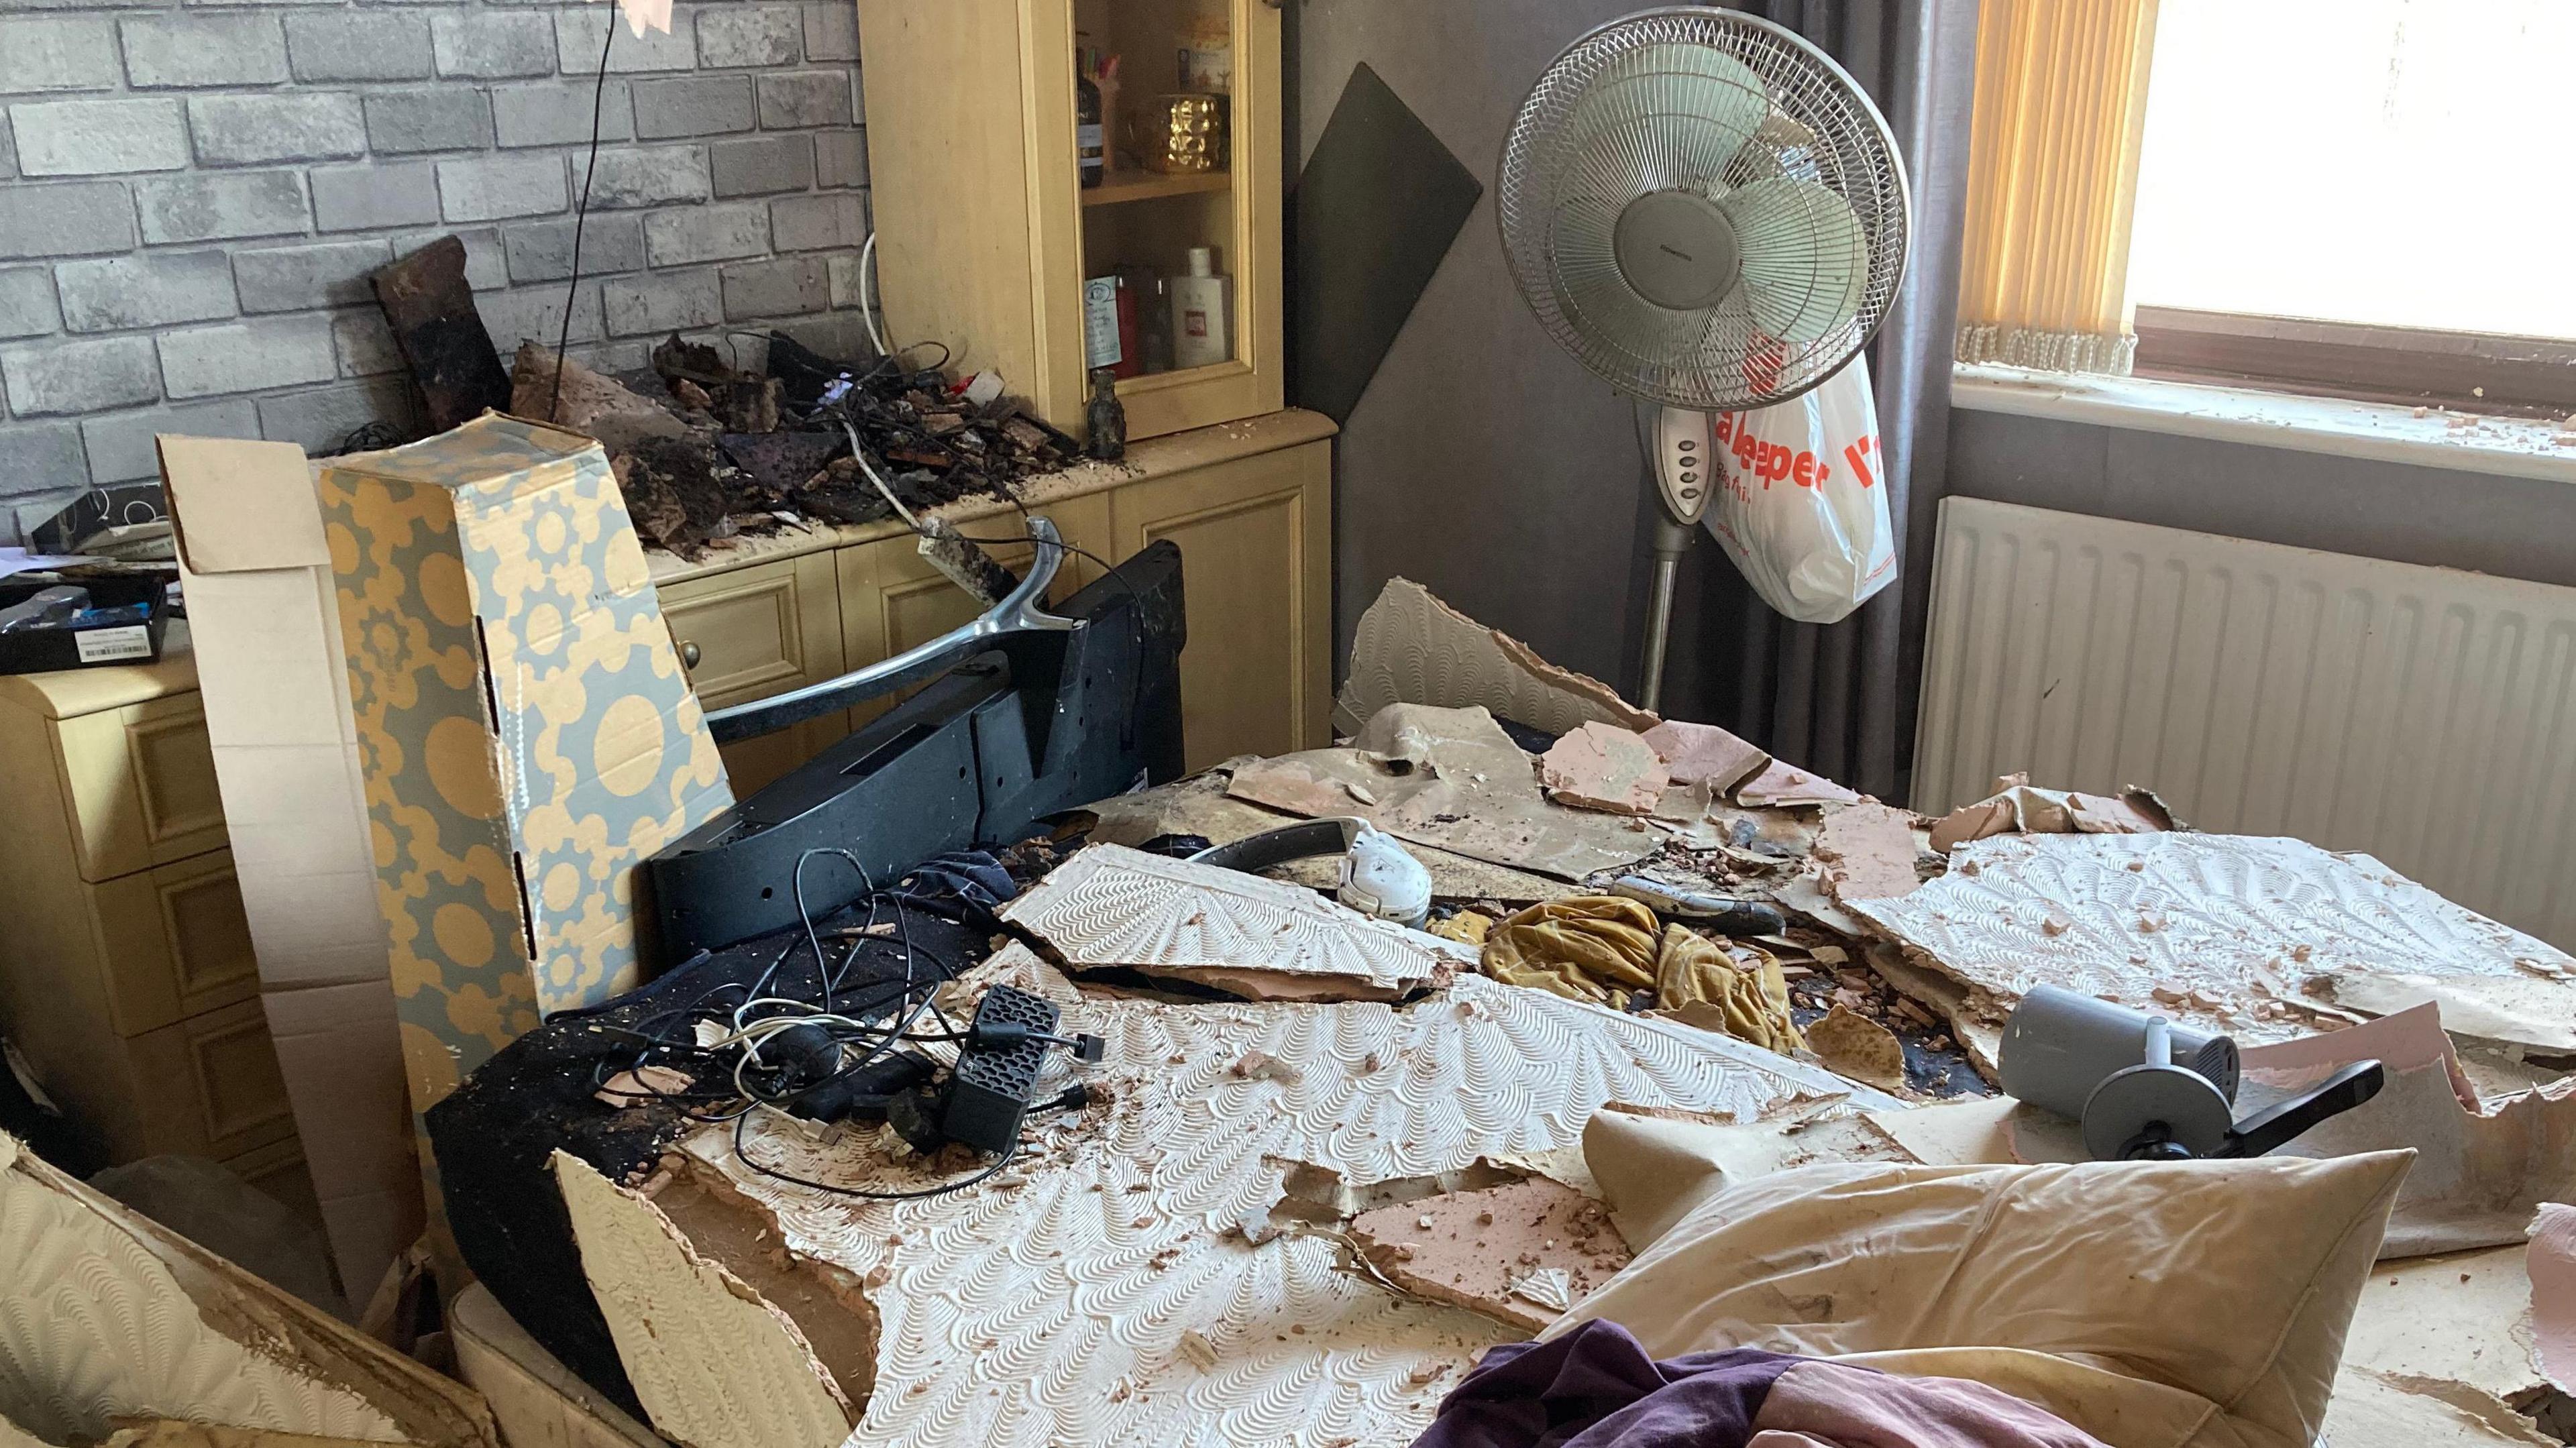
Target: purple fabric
1596	1386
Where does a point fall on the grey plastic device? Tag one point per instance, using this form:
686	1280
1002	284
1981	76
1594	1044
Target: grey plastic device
2144	1089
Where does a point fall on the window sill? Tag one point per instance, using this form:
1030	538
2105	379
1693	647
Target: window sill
2466	442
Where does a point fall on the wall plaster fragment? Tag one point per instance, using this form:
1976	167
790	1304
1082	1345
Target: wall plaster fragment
1113	907
104	1316
2246	934
1411	648
715	1364
1521	1253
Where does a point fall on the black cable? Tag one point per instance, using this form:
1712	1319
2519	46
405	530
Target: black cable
581	213
943	1189
796	885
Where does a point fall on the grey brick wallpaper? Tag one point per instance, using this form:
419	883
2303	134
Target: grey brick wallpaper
192	195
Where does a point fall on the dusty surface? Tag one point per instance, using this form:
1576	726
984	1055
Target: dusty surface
1105	1290
1523	1252
1199	805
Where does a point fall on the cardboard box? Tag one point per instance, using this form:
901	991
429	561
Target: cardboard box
265	624
527	731
96	644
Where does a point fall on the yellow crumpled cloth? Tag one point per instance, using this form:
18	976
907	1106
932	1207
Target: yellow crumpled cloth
1606	948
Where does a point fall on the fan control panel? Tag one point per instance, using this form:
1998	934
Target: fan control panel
1685	462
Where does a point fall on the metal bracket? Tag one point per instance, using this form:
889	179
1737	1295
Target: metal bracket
1019	612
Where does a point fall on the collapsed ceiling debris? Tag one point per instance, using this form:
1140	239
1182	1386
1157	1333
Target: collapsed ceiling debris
1110	1288
1324	1160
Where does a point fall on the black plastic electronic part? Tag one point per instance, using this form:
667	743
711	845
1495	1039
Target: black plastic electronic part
988	1092
864	1093
803	1055
915	1116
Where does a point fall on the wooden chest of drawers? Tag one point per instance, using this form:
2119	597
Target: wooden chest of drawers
126	971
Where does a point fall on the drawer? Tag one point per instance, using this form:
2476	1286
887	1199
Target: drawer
752	632
209	1085
176	943
141	781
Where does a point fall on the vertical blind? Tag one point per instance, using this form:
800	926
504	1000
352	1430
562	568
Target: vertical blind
2052	177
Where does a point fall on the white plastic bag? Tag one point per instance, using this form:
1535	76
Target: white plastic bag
1800	506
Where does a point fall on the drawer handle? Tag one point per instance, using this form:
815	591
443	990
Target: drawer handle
688	655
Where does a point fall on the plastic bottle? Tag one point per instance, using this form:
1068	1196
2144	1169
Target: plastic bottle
1202	313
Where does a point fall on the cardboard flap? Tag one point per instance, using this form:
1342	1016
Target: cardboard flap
240	506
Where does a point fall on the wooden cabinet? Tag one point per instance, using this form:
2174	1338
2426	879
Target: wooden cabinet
127	976
986	236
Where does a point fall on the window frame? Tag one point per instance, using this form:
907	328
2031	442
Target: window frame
2464	371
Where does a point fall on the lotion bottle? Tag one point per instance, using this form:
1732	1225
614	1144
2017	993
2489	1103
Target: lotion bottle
1202	314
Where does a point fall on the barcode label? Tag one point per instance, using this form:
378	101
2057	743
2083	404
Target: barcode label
106	645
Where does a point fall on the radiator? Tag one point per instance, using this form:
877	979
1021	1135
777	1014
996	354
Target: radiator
2423	715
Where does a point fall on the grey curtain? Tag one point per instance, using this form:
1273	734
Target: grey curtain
1840	698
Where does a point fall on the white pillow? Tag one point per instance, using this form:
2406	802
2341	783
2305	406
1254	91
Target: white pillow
2153	1305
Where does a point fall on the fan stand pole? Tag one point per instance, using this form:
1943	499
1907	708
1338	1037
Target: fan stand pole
1672	540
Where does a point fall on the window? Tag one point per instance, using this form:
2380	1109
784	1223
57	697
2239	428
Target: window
2367	197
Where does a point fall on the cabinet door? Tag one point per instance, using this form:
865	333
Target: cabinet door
1191	130
1256	571
753	632
893	600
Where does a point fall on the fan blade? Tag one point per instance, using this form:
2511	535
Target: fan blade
1805	259
1701	79
1690	107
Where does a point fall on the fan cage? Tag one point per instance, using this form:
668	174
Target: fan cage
1717	360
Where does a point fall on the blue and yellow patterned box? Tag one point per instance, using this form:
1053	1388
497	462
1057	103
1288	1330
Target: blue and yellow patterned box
528	734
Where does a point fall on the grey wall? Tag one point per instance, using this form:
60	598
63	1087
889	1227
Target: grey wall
2510	527
191	195
1483	461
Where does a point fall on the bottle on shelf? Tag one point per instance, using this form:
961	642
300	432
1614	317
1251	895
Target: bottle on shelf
1105	418
1202	313
1090	131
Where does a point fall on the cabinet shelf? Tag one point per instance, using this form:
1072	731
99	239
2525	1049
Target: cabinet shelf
1150	185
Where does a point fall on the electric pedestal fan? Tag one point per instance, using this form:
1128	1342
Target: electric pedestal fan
1708	213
